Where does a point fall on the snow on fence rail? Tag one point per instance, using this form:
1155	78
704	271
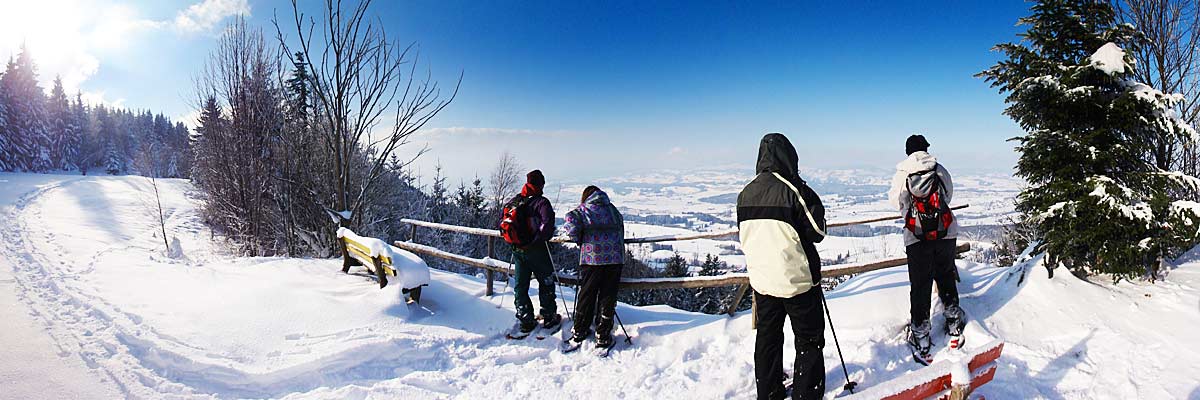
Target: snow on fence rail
952	379
741	280
648	239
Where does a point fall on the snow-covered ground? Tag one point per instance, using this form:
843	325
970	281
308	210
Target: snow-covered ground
97	310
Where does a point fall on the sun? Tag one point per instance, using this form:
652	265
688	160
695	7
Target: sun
67	37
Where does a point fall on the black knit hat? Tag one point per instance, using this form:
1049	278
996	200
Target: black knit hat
535	178
915	143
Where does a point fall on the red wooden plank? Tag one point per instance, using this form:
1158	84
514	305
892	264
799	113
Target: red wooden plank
983	358
924	390
982	378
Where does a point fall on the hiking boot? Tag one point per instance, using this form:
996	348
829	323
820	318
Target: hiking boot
955	320
551	322
528	326
920	343
604	341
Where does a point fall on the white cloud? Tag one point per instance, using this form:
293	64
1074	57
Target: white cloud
204	16
98	97
676	151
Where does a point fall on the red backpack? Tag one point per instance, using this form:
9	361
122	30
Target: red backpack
516	222
928	217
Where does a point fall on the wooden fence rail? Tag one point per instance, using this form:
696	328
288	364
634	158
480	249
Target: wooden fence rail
649	239
735	279
492	266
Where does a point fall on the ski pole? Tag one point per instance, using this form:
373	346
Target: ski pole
628	339
849	383
511	258
561	296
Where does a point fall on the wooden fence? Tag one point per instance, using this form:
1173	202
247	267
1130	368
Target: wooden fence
491	266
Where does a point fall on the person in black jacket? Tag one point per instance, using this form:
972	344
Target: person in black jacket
779	220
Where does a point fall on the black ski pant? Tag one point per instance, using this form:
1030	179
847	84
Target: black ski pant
928	263
534	262
597	291
808	325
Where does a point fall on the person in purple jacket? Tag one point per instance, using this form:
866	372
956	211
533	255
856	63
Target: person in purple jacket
533	261
598	228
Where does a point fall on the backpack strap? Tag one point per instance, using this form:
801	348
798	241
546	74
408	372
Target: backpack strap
803	204
937	180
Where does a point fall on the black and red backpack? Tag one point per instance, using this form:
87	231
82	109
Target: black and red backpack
516	222
928	216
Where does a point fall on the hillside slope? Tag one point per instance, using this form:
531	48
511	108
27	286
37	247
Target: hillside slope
104	309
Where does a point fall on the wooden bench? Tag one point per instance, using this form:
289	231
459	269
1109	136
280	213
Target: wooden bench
355	253
946	379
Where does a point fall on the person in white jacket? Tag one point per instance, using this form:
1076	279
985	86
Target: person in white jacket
931	256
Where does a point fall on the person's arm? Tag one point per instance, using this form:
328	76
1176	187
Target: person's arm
571	227
947	182
811	215
896	193
546	216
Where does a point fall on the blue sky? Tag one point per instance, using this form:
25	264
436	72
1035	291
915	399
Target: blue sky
584	89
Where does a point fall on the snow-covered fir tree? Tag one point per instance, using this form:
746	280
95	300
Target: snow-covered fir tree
1099	204
25	120
64	129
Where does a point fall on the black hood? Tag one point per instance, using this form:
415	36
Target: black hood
776	154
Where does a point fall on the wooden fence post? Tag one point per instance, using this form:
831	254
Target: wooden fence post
489	273
737	299
412	236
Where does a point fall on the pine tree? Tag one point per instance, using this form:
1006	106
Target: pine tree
5	143
676	267
64	131
87	144
25	115
1098	203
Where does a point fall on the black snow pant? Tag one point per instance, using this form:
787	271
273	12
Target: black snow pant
597	291
930	262
808	326
532	262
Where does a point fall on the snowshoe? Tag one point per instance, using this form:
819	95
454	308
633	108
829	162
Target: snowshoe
550	326
604	346
521	330
955	321
572	344
920	343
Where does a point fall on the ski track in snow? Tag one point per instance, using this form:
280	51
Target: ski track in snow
87	263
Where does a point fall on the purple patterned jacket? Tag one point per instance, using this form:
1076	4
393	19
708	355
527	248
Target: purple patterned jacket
599	229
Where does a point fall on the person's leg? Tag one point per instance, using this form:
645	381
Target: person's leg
606	300
945	272
921	281
543	270
808	326
768	346
946	277
585	300
521	301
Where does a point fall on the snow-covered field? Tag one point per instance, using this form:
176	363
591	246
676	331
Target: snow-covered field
848	195
93	308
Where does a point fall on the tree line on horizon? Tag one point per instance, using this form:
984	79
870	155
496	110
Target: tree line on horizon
55	132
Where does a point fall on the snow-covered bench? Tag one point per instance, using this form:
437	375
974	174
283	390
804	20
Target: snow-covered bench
382	260
947	379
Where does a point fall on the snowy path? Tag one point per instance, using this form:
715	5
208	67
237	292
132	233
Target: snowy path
33	364
101	313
